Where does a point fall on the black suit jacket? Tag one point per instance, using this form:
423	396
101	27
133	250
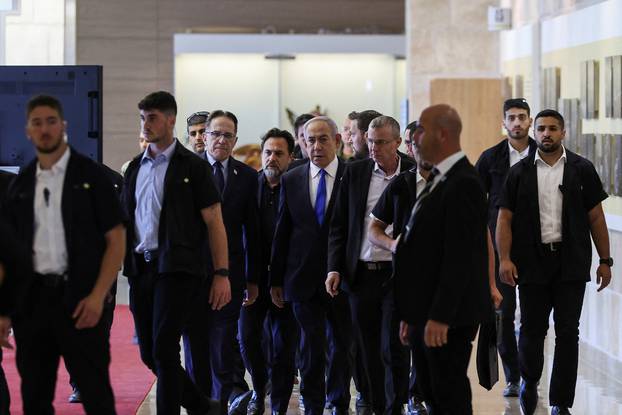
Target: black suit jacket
441	269
493	166
347	226
90	208
241	218
188	188
299	250
581	191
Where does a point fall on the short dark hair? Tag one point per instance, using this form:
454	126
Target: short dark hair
199	117
364	118
352	116
550	113
411	129
277	133
161	100
300	121
221	113
44	101
516	103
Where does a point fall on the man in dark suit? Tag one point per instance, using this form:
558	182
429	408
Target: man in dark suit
65	207
492	166
364	270
174	209
441	266
237	183
276	154
300	151
551	203
298	268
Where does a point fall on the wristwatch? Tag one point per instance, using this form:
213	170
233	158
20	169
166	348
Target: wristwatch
223	272
607	261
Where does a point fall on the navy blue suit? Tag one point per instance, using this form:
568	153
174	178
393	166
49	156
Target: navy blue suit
299	259
240	216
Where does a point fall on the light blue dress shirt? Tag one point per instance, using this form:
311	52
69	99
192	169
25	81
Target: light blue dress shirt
149	197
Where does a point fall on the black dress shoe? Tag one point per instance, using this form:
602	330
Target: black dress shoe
528	397
560	410
511	390
361	402
416	406
75	396
256	405
239	405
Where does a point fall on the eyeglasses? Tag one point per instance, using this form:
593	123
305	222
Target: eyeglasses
217	134
197	114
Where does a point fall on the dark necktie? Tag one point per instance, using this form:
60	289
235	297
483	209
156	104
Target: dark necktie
320	198
424	193
220	177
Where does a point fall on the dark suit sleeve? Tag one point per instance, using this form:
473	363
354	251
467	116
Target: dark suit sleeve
483	169
338	231
510	188
464	248
593	192
106	201
16	262
204	189
280	245
251	232
384	209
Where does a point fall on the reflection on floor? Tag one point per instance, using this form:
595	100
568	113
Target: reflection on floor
596	393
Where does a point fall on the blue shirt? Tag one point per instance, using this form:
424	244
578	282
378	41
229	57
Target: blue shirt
149	196
225	165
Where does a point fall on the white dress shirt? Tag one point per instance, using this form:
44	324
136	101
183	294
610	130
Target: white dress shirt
515	155
420	183
50	246
550	178
314	180
379	181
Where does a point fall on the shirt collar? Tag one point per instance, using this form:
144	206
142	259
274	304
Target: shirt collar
167	153
515	151
212	160
377	169
537	157
58	167
446	165
419	177
331	169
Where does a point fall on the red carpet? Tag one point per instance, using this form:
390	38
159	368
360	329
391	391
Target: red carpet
131	380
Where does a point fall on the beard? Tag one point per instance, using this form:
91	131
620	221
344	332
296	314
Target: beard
272	172
53	147
548	148
518	135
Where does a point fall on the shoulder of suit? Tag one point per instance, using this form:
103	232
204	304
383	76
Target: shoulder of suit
500	147
243	167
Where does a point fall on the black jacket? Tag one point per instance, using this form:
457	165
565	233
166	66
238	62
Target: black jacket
581	191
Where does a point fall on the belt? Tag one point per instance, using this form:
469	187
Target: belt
150	256
376	266
552	246
51	280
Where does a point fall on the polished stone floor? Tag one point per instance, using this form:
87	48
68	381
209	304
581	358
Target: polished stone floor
596	393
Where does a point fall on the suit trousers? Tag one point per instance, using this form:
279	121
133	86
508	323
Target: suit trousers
442	371
46	333
565	299
279	366
162	305
507	346
326	329
376	328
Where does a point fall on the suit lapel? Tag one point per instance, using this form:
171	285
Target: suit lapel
333	194
26	202
364	193
260	184
531	182
66	203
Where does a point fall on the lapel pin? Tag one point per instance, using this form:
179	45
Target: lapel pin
186	180
235	171
86	186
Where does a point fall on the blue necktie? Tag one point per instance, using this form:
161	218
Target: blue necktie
320	198
220	177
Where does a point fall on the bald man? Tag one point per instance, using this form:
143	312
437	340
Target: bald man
441	266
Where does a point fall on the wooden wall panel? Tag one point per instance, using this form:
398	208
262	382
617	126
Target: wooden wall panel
480	105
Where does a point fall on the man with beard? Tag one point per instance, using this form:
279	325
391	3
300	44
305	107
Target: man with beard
195	125
493	166
550	204
358	133
65	207
276	154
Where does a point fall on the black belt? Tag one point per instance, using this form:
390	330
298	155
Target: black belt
376	266
51	280
552	246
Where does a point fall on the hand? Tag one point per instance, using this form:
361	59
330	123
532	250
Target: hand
395	243
332	283
496	296
88	311
435	334
404	333
603	276
252	292
5	328
219	292
277	296
507	272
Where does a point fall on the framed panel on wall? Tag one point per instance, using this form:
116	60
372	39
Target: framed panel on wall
551	87
589	89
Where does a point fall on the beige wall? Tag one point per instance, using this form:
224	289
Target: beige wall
133	40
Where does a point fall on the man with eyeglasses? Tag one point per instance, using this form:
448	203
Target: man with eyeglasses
363	270
196	128
237	184
493	166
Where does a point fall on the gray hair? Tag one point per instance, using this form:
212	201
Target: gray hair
386	121
329	121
